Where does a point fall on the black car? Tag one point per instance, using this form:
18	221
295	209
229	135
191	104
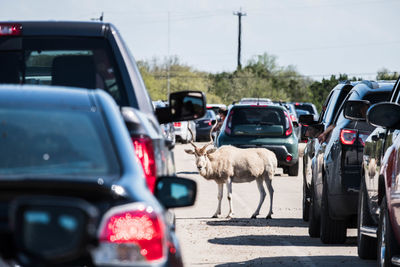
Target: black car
89	55
72	190
336	180
310	160
204	125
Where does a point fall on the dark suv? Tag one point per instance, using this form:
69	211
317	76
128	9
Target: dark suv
336	178
313	147
90	55
267	126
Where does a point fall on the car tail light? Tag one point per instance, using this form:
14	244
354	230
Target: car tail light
10	29
362	137
289	158
144	151
293	118
130	235
289	126
348	136
177	124
228	127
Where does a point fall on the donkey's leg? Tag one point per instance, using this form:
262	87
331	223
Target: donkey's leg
220	194
262	197
268	181
229	193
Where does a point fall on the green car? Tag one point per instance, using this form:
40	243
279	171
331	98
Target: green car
268	126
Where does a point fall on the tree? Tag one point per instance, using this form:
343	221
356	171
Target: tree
385	74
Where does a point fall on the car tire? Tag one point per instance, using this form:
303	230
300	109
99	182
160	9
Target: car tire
306	203
314	220
366	245
294	169
331	231
387	245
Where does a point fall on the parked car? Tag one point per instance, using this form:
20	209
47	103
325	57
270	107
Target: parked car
313	148
337	179
384	188
377	185
269	126
91	55
204	125
73	192
182	132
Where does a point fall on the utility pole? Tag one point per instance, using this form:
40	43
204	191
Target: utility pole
168	61
102	16
239	14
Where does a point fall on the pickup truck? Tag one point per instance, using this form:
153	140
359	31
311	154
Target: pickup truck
93	55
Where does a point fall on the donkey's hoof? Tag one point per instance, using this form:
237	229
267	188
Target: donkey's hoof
268	217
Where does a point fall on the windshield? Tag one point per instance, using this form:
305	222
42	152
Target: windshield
257	121
54	142
76	62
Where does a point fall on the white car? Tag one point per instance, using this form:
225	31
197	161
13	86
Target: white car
182	133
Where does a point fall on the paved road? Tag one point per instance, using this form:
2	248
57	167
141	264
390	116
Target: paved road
281	241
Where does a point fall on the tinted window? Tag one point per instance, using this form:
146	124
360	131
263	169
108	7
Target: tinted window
55	142
76	62
306	107
331	107
257	121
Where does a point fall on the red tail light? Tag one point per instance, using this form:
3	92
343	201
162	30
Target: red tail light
228	127
292	117
289	158
289	126
209	123
10	29
131	234
144	151
177	124
347	136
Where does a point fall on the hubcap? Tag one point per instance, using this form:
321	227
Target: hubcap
383	242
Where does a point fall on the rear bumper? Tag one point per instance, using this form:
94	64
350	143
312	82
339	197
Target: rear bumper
280	151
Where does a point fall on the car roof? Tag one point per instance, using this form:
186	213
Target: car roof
374	86
261	105
46	96
62	28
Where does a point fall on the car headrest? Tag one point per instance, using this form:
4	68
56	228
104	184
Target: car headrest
76	71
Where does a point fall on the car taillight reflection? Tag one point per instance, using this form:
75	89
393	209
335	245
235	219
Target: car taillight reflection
144	151
133	234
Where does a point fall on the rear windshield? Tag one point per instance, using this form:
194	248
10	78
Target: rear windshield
305	107
54	142
257	121
76	62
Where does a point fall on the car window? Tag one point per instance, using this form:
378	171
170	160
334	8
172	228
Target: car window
331	107
55	142
257	121
76	62
306	107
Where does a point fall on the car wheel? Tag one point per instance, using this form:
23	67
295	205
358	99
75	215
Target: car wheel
314	220
332	231
387	244
294	170
366	245
306	202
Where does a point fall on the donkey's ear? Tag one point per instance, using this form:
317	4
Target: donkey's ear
189	151
211	150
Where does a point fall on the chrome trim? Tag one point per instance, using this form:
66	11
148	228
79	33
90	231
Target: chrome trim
369	231
396	260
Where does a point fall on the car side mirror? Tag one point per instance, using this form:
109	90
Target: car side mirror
356	109
384	114
307	119
183	106
175	192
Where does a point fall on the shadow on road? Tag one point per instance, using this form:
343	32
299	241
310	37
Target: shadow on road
277	240
305	261
286	222
187	173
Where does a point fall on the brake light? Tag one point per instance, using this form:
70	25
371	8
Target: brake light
144	151
347	136
10	29
130	234
208	122
293	118
177	124
289	158
289	127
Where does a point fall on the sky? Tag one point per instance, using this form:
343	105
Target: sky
318	37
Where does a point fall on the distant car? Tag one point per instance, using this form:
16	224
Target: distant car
204	125
182	133
216	108
267	126
309	107
73	190
337	176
